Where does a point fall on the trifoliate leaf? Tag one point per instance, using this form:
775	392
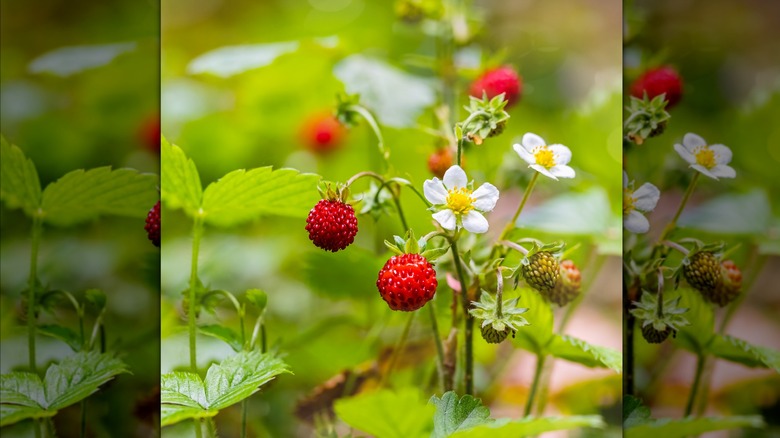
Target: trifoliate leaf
19	183
453	414
83	195
242	195
239	376
181	187
78	376
579	351
182	396
388	414
505	428
737	350
690	426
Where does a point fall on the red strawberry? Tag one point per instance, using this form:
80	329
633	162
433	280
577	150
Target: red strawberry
149	133
659	81
407	282
332	225
440	160
322	133
497	81
152	226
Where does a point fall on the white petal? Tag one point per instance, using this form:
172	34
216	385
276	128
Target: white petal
646	197
704	171
455	178
562	171
475	222
445	218
625	179
723	171
531	141
543	171
722	153
485	197
562	153
636	222
684	153
524	154
434	191
693	141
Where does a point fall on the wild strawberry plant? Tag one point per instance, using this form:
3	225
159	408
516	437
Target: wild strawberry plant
77	197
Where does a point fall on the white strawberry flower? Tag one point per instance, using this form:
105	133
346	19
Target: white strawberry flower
643	200
711	160
457	204
551	161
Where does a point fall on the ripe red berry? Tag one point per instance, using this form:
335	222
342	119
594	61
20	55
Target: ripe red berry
322	133
149	133
440	160
152	226
659	81
332	225
407	282
497	81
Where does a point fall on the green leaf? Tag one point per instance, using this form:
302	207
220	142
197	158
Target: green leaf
240	376
634	412
19	183
697	335
64	334
585	213
173	413
182	396
726	214
579	351
242	195
181	187
10	413
740	351
222	333
535	336
669	427
228	61
23	389
388	414
83	195
453	414
505	428
345	274
78	376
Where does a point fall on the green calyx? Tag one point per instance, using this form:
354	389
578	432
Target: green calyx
411	245
340	193
670	316
647	118
487	118
498	321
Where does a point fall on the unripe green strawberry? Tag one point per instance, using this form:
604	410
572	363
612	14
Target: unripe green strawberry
654	336
542	271
730	286
703	272
568	285
493	336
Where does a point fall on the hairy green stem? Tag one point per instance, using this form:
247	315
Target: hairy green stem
460	152
468	323
37	229
397	350
369	118
696	381
673	224
439	346
197	233
540	360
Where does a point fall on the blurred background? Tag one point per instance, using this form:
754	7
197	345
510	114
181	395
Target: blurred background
726	54
79	83
246	84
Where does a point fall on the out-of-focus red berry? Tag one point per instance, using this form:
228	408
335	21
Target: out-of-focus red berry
496	81
149	133
658	81
322	133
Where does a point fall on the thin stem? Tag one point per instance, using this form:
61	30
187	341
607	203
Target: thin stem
674	245
397	201
499	292
37	229
534	385
197	233
397	350
460	152
660	309
366	173
673	224
374	127
526	195
439	346
696	381
198	428
515	246
83	430
468	332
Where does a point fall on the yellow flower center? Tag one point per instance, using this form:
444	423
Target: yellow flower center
706	157
460	200
628	202
544	157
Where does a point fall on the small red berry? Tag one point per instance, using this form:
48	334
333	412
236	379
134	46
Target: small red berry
659	81
149	133
440	160
152	226
407	282
322	133
497	81
332	225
